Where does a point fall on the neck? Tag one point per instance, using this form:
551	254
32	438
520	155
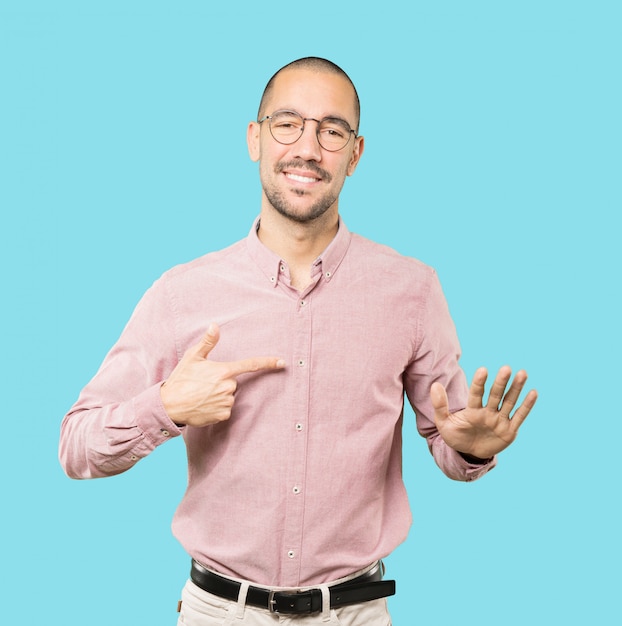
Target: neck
298	244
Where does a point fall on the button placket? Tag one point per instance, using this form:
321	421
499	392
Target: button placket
297	450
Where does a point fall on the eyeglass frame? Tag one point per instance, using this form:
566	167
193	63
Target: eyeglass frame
302	130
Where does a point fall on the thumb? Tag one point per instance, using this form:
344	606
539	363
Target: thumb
440	402
208	341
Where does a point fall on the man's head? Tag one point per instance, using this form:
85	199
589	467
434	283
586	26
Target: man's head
316	64
302	174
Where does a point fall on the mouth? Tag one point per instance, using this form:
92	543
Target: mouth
301	178
302	173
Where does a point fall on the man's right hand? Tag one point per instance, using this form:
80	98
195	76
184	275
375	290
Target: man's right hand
200	392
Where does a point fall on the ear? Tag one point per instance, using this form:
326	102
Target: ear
252	140
357	152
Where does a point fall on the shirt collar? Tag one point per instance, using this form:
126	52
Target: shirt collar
327	262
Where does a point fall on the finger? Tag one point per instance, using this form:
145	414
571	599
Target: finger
440	402
476	391
523	410
498	387
255	364
511	397
208	341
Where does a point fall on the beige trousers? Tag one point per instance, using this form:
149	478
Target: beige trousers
200	608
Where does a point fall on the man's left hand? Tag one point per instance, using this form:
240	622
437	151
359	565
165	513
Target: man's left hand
483	431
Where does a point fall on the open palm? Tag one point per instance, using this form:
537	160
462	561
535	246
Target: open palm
482	430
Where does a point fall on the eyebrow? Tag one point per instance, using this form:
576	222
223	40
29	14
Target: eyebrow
335	118
331	118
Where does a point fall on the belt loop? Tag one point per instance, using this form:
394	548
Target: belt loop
242	600
325	603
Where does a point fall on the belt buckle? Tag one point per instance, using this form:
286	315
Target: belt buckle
272	602
289	602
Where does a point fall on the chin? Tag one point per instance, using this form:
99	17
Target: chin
300	215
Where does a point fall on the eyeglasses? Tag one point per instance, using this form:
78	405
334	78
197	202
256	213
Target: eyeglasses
287	127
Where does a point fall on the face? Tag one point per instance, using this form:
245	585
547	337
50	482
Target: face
302	181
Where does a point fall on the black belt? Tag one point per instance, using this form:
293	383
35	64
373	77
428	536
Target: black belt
368	586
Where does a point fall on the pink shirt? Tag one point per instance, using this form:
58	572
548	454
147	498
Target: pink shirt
304	483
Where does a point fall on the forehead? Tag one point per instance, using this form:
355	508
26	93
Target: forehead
313	94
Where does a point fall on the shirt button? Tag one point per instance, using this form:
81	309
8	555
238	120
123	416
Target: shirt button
272	279
301	363
165	432
303	302
298	427
134	457
282	268
296	490
291	554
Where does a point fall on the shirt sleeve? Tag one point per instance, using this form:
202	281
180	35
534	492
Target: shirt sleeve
119	417
436	359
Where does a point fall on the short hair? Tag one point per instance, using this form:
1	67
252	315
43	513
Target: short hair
316	64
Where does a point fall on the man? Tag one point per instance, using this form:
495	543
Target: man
295	490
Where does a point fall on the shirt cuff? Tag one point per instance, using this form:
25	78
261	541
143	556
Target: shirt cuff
152	418
473	471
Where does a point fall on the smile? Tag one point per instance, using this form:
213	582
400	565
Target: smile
301	179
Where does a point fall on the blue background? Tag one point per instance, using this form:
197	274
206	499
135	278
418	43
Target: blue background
493	153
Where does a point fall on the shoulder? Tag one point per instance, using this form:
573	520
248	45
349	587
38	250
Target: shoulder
208	262
384	260
199	275
207	268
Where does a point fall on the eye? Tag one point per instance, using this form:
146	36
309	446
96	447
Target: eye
335	129
286	121
334	132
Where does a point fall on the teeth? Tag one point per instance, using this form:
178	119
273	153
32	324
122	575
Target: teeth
301	179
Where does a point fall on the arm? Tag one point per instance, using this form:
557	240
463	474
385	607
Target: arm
436	354
463	434
143	394
119	417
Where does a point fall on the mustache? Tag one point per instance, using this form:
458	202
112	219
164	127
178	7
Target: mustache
299	164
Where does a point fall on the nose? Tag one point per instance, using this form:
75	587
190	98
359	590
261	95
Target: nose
308	147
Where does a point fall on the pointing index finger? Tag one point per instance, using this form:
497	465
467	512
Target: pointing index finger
255	364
